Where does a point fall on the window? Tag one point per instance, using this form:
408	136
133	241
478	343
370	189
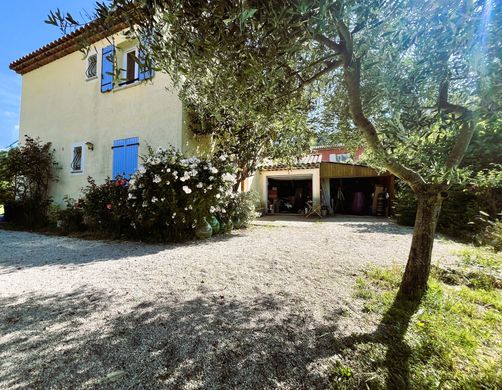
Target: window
126	59
125	157
77	158
91	71
342	157
129	67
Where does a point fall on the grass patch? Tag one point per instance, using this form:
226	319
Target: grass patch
451	340
481	257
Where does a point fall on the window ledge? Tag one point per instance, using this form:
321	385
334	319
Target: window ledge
91	78
125	86
76	172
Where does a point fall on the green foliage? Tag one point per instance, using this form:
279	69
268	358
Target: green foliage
68	219
172	193
242	206
471	211
105	208
453	339
163	201
26	173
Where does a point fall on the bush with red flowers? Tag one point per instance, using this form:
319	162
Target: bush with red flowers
105	207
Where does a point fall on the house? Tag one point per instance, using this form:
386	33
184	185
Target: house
99	125
330	176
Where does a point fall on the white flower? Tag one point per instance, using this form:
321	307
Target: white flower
168	170
211	178
187	190
199	185
228	177
210	187
145	204
132	196
155	199
213	170
185	176
218	196
157	179
212	209
142	170
223	157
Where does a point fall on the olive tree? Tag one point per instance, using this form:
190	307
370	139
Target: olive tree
410	79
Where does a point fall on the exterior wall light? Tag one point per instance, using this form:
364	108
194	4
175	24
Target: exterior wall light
90	145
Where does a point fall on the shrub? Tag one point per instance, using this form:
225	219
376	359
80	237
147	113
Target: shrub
105	207
242	206
171	194
460	211
69	219
25	175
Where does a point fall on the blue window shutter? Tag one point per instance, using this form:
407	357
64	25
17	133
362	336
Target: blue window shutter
119	158
145	70
107	70
131	156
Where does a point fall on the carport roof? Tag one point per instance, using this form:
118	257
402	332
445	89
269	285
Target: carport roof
307	162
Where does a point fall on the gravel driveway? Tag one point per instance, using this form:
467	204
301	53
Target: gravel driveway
261	308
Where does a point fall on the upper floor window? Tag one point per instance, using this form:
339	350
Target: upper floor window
339	157
91	70
126	58
130	67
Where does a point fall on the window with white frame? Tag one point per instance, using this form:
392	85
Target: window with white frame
339	157
91	70
77	158
130	66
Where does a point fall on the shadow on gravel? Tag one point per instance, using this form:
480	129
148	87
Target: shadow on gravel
24	249
208	342
380	226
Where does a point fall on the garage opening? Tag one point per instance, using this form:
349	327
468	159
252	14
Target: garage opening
360	196
289	195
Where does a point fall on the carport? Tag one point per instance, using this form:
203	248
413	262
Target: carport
356	189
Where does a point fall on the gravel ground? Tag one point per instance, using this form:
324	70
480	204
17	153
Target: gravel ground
261	308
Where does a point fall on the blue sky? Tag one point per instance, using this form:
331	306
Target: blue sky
23	30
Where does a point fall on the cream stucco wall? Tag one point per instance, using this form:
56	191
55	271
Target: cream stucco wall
59	105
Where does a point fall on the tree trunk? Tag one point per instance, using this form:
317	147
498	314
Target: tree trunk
416	274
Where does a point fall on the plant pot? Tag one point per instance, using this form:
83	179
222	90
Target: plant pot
203	230
223	227
237	222
215	224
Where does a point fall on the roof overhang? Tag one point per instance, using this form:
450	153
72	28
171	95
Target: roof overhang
70	43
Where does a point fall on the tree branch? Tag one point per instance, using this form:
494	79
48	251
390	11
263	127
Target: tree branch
329	43
352	77
329	67
466	129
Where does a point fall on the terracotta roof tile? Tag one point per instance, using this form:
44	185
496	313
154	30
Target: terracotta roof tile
72	42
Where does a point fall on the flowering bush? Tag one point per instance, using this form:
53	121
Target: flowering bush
242	207
105	207
171	194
